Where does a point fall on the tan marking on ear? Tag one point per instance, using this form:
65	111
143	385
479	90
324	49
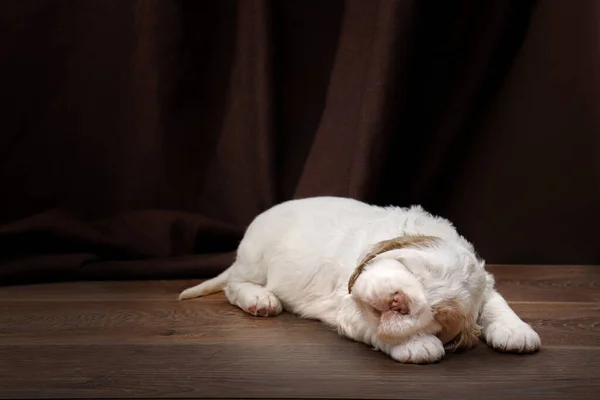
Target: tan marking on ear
401	242
451	318
458	330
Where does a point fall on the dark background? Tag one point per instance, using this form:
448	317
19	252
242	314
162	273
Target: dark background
139	138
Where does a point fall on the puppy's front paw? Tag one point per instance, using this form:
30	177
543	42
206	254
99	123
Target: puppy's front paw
424	349
512	337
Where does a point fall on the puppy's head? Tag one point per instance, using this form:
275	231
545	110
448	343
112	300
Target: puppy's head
419	284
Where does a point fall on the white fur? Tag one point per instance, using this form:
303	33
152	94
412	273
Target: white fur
299	255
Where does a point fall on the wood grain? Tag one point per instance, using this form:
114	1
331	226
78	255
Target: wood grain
134	339
289	370
216	321
535	283
516	283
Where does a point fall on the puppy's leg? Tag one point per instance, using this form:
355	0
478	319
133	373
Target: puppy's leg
503	330
419	349
253	298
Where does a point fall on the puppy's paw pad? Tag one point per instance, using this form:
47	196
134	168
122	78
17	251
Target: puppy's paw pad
265	306
396	302
423	350
512	337
399	303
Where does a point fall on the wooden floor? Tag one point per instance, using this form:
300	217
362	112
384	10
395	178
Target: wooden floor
134	339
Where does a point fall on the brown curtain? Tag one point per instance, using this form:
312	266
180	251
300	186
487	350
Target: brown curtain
139	138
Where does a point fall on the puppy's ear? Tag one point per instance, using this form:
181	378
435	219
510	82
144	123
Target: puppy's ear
397	243
459	331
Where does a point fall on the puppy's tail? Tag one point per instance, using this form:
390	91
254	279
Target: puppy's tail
207	287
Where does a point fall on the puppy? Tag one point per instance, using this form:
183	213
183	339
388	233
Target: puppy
398	279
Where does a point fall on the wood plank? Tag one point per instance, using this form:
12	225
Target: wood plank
516	283
548	283
266	369
214	320
134	339
166	290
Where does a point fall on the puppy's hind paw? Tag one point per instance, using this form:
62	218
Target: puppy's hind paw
266	305
253	299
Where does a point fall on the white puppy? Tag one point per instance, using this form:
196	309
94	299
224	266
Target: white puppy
398	279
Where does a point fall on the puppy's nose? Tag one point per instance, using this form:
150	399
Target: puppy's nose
399	303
